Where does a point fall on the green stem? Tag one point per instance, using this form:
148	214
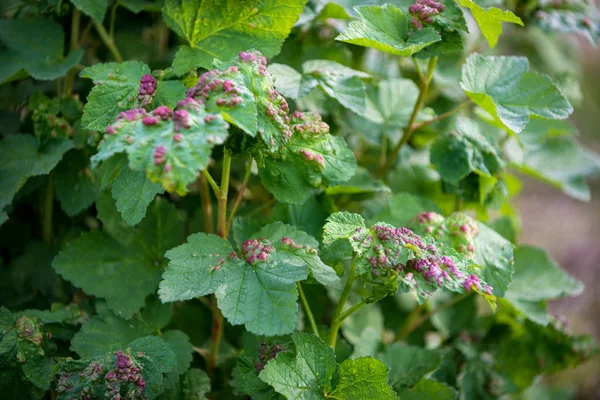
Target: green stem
212	182
222	197
418	68
351	311
240	194
307	310
440	117
408	131
384	147
207	209
113	17
48	211
74	44
108	42
335	323
215	337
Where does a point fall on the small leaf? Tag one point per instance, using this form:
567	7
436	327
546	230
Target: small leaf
408	364
169	93
490	20
504	88
226	29
75	185
133	193
427	389
92	8
385	28
495	255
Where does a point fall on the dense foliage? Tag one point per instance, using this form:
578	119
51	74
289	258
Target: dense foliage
283	199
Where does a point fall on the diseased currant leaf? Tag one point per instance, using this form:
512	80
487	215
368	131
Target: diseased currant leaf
341	225
145	360
120	264
76	187
463	151
171	146
504	88
243	92
313	158
559	161
96	9
256	285
21	158
339	82
133	192
35	45
220	30
386	28
495	255
408	364
537	279
116	87
287	80
309	372
24	363
490	20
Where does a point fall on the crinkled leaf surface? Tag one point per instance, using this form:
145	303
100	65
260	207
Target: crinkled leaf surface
35	45
21	158
115	90
169	93
172	150
490	20
386	28
504	88
495	255
217	29
465	150
133	192
313	158
259	293
308	373
121	264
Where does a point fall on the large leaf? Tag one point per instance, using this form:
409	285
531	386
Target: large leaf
133	192
495	255
504	88
313	158
408	364
574	18
76	187
256	285
537	279
120	264
216	29
309	372
490	20
385	28
21	158
115	90
35	45
170	146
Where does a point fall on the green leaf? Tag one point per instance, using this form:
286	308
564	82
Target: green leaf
362	183
96	9
341	225
133	192
193	385
386	28
427	389
179	342
537	279
458	153
309	372
137	6
172	147
389	109
408	364
126	263
402	207
21	158
560	162
578	20
495	255
259	293
169	93
246	380
217	30
115	89
151	355
339	82
313	158
287	80
35	45
74	182
490	20
504	88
